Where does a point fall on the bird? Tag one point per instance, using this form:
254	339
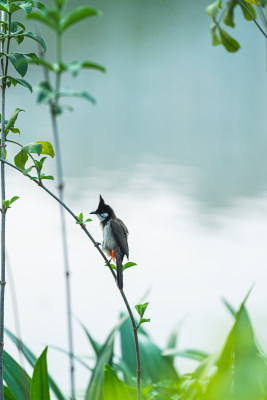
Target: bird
115	237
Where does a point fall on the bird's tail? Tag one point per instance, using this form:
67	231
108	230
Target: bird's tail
119	258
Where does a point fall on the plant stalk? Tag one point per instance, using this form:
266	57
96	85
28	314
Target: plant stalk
61	202
53	106
3	216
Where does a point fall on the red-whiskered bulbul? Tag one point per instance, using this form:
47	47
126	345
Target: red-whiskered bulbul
115	236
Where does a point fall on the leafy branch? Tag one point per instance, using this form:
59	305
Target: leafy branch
226	15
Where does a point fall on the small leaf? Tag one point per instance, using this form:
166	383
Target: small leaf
14	199
21	82
49	177
25	6
246	14
47	148
229	14
13	118
26	171
37	39
75	66
88	220
32	148
212	9
81	216
46	17
73	93
128	265
4	6
77	15
39	383
228	41
141	308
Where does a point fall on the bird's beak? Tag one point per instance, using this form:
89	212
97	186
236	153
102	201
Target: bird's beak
93	212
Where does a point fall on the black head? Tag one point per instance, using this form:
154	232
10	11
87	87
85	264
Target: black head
104	211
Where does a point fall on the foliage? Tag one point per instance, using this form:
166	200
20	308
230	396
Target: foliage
60	21
224	12
237	372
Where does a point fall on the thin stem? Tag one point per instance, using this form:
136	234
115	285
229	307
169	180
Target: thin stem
253	18
3	226
53	105
8	42
139	369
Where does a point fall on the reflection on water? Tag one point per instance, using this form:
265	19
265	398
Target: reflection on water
177	144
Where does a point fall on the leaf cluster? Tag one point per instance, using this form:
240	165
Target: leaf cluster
221	12
60	21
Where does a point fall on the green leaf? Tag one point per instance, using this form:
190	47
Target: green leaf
13	118
95	389
47	148
21	5
31	358
113	387
49	177
4	6
263	3
39	383
16	378
73	93
45	92
75	67
20	160
155	367
47	17
8	395
14	199
36	38
77	15
33	148
95	345
212	9
28	170
128	265
141	308
21	82
228	41
229	13
246	14
88	220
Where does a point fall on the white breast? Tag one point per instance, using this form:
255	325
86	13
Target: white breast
108	239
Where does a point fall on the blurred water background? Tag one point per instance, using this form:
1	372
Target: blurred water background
177	145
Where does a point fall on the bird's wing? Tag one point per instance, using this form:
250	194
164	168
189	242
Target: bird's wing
120	233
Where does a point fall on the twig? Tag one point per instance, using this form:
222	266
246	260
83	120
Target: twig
96	244
247	10
3	220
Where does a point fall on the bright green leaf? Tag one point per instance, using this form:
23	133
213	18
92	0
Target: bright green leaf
39	383
47	148
228	41
255	2
113	387
20	159
16	378
128	265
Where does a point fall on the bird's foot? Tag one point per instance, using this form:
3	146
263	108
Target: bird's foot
97	244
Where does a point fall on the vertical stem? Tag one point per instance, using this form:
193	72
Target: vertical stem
3	222
137	352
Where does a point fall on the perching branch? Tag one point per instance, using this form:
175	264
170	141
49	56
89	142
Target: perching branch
96	244
253	18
